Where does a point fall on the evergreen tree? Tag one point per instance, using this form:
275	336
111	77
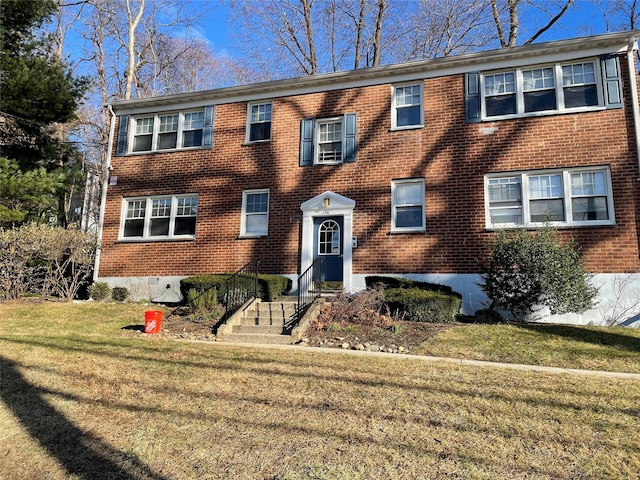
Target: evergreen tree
38	95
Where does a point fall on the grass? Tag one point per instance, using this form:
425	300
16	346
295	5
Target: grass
614	349
83	398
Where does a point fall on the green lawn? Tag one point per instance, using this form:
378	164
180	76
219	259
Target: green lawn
83	398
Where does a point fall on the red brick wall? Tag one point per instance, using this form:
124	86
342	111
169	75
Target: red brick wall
451	155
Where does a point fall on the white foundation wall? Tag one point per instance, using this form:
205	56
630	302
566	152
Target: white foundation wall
155	289
618	300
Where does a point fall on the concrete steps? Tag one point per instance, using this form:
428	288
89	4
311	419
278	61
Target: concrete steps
261	322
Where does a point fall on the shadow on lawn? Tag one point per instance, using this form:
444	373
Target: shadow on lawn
596	336
82	454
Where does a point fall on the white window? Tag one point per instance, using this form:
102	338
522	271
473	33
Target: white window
192	129
572	197
329	141
259	122
408	205
168	131
255	213
541	89
161	217
407	111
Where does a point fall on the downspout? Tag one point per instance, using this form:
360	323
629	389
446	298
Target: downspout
634	95
105	182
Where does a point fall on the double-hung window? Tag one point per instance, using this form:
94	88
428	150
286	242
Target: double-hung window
407	110
166	131
255	213
192	129
571	197
329	141
159	218
408	205
259	122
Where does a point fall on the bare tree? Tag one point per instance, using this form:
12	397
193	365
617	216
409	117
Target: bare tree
305	37
508	13
437	28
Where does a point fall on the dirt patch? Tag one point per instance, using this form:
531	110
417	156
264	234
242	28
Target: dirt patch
402	337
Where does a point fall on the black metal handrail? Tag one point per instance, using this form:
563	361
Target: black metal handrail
309	287
240	287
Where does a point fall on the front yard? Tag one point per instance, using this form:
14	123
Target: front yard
84	398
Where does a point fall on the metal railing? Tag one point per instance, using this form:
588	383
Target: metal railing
240	287
309	287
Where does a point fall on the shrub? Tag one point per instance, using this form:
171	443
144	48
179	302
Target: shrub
206	300
44	260
99	291
419	305
399	282
269	286
526	271
120	294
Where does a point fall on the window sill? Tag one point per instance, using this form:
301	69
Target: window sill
154	240
412	231
407	127
256	142
249	237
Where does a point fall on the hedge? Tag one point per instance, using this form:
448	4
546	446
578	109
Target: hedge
419	305
418	301
399	282
269	286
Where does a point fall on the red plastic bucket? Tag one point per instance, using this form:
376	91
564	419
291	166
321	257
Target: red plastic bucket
152	321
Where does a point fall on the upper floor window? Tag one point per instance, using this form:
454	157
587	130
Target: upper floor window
572	197
259	122
161	217
165	131
408	205
407	110
555	88
255	213
328	140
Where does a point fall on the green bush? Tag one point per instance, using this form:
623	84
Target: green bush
526	271
99	291
269	286
120	294
419	305
202	301
399	282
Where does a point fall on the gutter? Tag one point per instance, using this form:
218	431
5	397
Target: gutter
634	95
105	182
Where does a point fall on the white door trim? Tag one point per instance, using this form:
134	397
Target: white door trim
328	204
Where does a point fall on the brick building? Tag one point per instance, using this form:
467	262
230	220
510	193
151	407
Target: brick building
403	169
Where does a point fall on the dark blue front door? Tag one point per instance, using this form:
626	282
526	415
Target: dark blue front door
327	244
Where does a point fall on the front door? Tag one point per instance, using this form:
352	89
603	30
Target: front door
328	240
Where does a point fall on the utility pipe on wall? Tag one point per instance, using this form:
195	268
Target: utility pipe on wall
634	95
105	182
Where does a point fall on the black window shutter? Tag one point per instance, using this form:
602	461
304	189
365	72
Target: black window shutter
612	81
306	142
123	135
472	97
207	132
349	143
